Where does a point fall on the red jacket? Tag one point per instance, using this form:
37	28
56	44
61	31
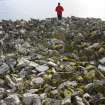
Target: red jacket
59	10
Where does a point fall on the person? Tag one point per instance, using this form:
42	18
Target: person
59	9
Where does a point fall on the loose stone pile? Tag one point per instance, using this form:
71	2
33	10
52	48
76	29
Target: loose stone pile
51	62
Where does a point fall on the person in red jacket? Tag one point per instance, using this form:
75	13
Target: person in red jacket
59	9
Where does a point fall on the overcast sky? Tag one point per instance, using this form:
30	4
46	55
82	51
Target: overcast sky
12	9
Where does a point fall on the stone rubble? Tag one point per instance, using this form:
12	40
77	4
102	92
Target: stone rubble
51	62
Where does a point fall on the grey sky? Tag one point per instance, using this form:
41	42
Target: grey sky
11	9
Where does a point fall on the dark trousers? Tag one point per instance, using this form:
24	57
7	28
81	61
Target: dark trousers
59	16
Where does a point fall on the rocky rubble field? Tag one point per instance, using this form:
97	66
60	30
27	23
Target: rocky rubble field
51	62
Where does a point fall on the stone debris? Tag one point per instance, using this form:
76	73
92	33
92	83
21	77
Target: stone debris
47	62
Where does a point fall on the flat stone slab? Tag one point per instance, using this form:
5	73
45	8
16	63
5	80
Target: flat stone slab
42	68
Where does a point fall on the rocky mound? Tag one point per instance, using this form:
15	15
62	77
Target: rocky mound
51	62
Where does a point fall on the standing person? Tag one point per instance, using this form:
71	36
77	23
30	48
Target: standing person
59	9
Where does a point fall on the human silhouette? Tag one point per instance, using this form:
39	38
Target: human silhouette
59	9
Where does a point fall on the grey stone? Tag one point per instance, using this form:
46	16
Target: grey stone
25	61
87	96
38	81
1	27
30	99
1	62
101	68
89	86
21	49
22	31
19	83
23	73
42	68
4	68
66	101
52	64
32	91
12	100
53	52
11	62
79	100
51	101
67	83
2	82
55	42
2	102
1	32
102	61
95	45
2	91
10	82
43	96
54	92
